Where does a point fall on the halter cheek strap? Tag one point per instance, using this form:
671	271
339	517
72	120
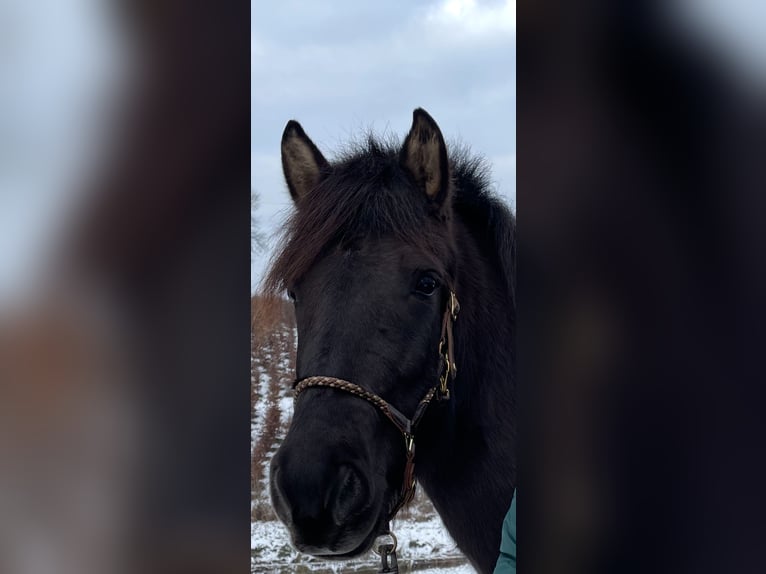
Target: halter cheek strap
405	425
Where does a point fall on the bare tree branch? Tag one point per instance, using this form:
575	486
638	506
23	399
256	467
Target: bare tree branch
257	236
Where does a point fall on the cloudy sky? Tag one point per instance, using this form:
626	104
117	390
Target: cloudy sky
341	67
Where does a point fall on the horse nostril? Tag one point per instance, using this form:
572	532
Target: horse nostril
349	495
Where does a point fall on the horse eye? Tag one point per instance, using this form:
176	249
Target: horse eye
291	294
426	285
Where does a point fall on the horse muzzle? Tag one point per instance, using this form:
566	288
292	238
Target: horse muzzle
331	511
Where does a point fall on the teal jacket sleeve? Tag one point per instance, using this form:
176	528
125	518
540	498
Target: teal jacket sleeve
506	563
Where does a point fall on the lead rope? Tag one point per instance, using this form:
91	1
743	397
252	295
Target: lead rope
387	549
387	552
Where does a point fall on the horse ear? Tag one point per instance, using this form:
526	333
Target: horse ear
302	162
424	154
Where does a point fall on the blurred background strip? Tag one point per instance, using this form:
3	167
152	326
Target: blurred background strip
642	148
124	200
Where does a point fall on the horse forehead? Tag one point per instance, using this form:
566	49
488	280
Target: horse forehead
355	271
382	260
374	253
358	266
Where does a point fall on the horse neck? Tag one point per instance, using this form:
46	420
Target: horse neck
466	455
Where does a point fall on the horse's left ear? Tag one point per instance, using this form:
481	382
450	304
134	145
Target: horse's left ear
424	154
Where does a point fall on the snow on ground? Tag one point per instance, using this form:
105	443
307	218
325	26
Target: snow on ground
269	542
420	542
424	539
259	408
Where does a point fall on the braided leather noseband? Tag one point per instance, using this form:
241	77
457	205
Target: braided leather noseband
406	426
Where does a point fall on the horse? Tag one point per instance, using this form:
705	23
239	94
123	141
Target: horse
382	247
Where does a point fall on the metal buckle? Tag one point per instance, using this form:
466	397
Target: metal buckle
387	552
454	306
443	394
448	370
409	442
380	541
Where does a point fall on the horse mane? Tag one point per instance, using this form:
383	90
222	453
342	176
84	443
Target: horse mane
487	216
367	193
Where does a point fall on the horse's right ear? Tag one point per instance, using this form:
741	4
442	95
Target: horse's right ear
302	163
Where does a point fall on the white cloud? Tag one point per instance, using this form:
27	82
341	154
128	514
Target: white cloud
469	19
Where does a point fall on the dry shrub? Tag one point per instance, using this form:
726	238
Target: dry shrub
272	356
266	314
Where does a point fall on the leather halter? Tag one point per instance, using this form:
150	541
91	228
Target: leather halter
406	426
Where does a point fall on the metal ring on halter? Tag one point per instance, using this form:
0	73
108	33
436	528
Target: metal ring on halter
393	539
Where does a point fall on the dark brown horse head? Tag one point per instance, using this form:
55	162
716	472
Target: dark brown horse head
369	261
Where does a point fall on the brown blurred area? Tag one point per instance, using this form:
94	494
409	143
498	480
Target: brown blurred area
124	418
641	294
